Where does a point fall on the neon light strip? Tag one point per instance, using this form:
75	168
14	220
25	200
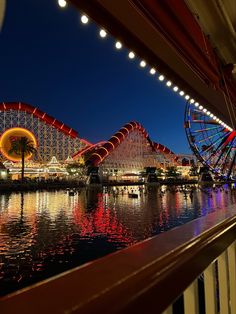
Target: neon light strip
116	138
98	156
105	150
125	129
121	134
207	129
113	146
132	125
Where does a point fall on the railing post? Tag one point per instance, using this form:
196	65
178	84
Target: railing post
191	298
210	289
232	276
223	283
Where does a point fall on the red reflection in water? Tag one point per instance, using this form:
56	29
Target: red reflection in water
101	221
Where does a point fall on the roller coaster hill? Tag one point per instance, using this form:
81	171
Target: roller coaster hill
126	154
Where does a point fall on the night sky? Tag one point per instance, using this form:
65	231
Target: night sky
51	61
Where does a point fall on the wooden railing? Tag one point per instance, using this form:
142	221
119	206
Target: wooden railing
148	277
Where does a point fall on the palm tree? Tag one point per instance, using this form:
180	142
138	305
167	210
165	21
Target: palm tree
22	146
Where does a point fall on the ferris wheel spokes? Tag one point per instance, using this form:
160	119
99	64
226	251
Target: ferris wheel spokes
214	144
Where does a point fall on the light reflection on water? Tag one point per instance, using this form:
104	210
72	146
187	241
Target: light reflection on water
44	233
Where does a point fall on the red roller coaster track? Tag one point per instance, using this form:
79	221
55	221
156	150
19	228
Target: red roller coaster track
109	146
42	116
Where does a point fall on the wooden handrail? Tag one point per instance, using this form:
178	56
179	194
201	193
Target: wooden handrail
144	278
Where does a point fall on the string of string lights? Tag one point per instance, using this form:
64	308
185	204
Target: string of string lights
153	71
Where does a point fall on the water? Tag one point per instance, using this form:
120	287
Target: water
45	233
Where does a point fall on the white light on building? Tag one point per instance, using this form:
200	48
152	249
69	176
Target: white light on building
175	89
152	71
143	64
131	55
62	3
118	45
103	33
84	19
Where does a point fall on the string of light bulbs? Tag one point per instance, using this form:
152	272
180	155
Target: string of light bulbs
143	64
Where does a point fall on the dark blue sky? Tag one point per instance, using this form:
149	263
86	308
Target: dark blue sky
50	60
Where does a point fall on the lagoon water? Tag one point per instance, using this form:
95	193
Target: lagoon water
45	233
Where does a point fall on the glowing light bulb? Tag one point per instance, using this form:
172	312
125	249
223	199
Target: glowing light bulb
131	55
204	110
143	64
168	83
175	89
62	3
118	45
84	19
187	97
103	33
181	93
161	77
197	104
208	113
152	71
201	107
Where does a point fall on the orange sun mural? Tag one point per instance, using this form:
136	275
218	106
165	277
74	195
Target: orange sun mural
11	135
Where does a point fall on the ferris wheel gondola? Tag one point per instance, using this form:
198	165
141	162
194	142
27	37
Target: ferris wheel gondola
213	143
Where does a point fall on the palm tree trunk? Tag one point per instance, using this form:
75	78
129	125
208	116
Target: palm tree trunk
22	164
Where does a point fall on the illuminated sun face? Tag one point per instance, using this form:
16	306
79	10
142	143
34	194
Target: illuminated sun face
9	136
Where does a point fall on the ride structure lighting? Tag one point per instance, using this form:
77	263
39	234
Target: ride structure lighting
9	136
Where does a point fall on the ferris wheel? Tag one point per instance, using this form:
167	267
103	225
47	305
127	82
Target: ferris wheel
213	143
